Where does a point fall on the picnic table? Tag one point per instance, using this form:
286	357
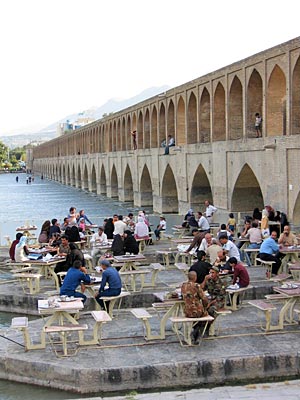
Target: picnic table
128	261
292	293
291	253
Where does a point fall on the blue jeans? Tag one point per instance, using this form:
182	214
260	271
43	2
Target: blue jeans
74	294
110	292
247	256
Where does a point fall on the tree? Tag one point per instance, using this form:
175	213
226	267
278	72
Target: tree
3	152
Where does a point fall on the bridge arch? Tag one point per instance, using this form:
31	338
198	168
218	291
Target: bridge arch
276	103
114	186
103	189
246	193
154	128
128	185
162	124
169	193
93	186
295	128
192	119
85	178
219	127
171	119
140	131
235	119
78	183
204	120
180	140
146	188
254	101
200	189
147	140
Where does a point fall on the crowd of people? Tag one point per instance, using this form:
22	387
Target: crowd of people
219	255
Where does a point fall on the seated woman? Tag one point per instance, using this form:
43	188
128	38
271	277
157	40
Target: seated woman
130	244
141	230
21	251
45	232
117	246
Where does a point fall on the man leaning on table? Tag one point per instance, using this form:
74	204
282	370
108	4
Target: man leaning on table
111	277
76	275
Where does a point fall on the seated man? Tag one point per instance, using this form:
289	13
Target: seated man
13	246
212	251
111	277
198	237
240	273
203	223
99	238
201	267
171	142
222	262
269	251
195	303
216	289
287	238
229	247
76	275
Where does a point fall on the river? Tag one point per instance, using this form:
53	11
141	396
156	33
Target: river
23	203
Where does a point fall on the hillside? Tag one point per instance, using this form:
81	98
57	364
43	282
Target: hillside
49	132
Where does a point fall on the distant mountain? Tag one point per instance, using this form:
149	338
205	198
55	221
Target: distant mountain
112	105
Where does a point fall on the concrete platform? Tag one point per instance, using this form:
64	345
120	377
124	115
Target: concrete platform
241	352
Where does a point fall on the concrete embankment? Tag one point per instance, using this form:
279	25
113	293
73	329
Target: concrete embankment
125	361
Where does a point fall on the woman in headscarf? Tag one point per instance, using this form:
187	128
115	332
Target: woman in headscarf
21	250
109	228
117	246
141	230
130	244
45	232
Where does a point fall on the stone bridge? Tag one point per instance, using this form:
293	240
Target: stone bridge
217	155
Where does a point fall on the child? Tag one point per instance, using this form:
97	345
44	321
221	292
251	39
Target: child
231	223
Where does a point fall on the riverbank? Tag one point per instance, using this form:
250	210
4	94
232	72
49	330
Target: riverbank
125	362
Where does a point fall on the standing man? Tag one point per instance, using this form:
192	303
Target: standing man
133	134
258	121
111	277
97	239
195	303
203	223
209	211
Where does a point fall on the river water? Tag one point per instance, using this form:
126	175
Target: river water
23	204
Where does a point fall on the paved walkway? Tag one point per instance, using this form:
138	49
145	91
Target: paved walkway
289	390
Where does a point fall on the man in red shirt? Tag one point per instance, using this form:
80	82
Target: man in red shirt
240	273
13	246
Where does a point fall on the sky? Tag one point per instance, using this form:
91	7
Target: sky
61	57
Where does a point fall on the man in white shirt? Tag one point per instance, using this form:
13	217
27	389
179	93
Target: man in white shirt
210	210
229	247
120	226
99	238
206	242
203	223
171	142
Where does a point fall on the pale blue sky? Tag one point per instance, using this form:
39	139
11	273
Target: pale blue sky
63	56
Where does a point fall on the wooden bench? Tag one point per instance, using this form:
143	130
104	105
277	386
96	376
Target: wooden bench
63	331
297	311
215	326
183	267
186	325
280	277
184	257
32	280
144	315
134	274
113	300
294	269
234	294
267	308
267	265
21	323
100	318
156	268
165	256
251	255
